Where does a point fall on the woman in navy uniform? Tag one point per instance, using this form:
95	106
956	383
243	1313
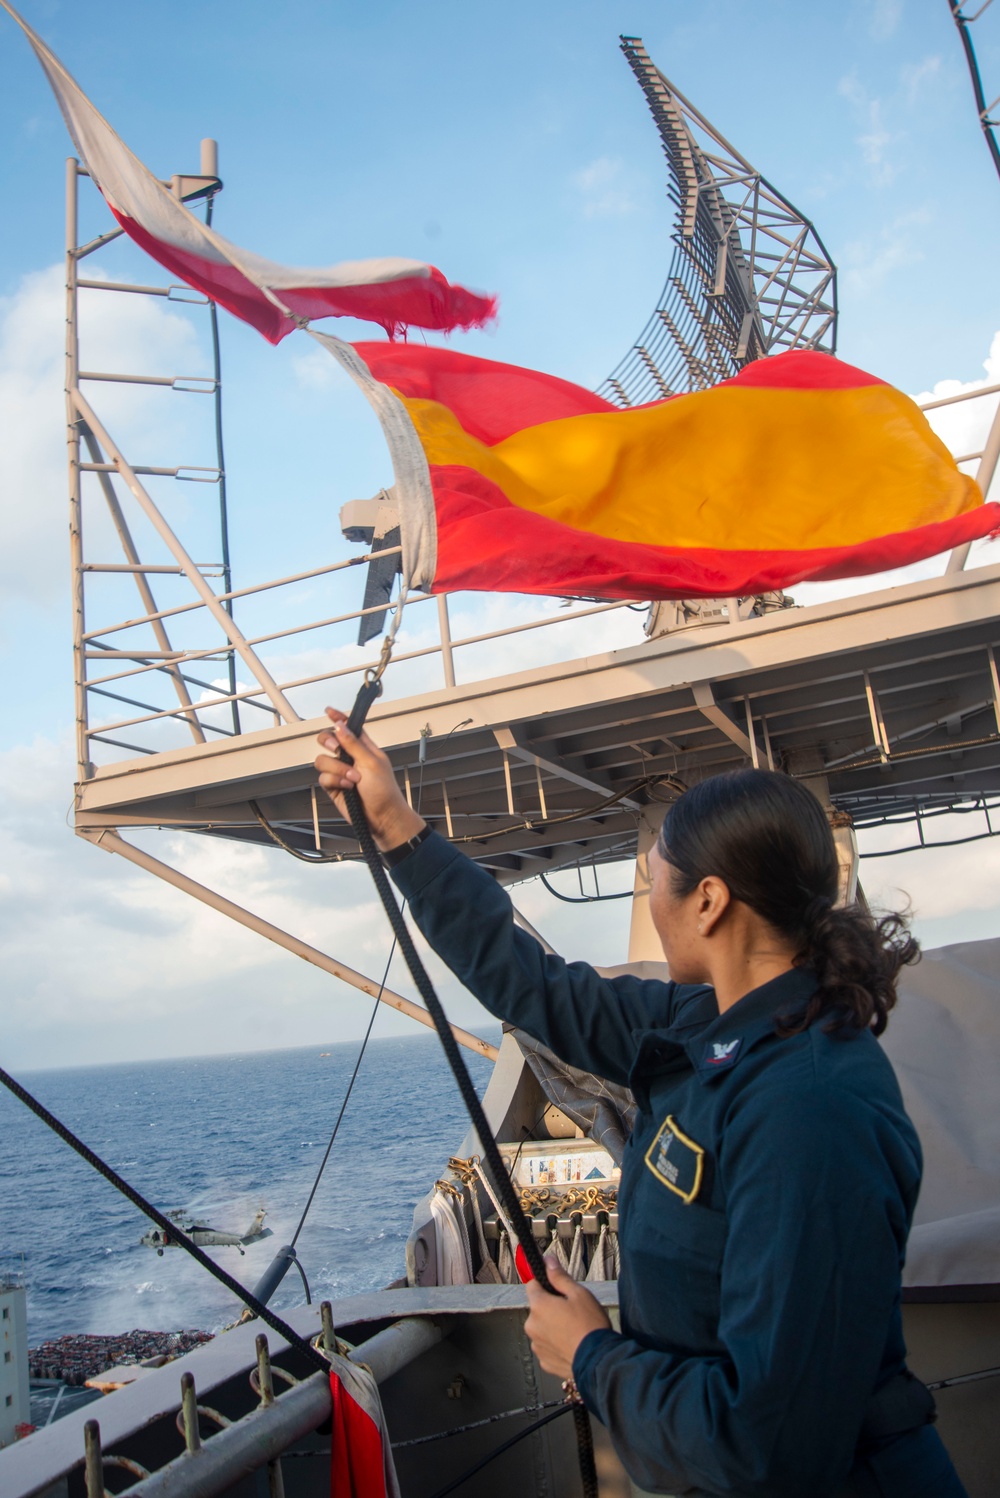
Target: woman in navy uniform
769	1184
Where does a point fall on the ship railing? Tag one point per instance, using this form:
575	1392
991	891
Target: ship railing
281	1411
145	683
272	698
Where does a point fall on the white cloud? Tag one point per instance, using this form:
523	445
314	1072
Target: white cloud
884	17
915	75
102	961
603	189
867	263
876	138
562	638
936	884
316	370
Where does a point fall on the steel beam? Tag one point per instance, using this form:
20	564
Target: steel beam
233	634
705	701
72	357
934	632
112	843
507	740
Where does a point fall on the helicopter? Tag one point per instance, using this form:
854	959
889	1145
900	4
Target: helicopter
203	1234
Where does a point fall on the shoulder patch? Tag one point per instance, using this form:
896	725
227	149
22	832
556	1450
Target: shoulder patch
719	1055
676	1160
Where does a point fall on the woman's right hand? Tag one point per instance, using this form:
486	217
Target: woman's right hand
391	818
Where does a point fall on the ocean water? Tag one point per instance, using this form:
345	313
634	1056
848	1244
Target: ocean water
221	1136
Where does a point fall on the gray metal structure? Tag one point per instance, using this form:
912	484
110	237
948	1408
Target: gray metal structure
749	274
244	1416
888	703
964	21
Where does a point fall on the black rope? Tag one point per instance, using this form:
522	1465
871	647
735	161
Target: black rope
347	1096
585	1449
499	1450
492	1158
170	1228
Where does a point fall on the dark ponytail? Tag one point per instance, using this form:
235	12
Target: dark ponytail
768	839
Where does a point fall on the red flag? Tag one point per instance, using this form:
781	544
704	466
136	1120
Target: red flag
361	1464
393	292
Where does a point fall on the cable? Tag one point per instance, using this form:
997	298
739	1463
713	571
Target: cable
501	1180
951	842
170	1228
499	1450
572	816
491	1154
220	456
347	1096
964	1378
626	894
986	124
357	1066
461	1430
502	1183
276	837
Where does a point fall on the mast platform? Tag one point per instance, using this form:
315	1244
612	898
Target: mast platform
891	697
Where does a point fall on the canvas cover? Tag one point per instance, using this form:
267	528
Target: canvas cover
944	1041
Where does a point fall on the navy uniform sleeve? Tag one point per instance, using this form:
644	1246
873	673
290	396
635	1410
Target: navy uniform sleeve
467	918
819	1191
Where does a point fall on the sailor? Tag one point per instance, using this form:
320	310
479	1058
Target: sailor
769	1184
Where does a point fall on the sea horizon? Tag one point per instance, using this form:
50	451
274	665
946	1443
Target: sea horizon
491	1031
219	1136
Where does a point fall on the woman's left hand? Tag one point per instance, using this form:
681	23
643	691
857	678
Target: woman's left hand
557	1324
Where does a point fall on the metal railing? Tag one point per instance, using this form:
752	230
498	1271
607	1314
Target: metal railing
129	657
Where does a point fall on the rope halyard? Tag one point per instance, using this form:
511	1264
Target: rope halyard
492	1159
499	1178
491	1154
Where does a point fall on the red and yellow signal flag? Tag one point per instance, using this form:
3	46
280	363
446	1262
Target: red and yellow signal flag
799	468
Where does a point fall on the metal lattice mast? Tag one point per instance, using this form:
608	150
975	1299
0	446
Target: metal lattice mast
749	274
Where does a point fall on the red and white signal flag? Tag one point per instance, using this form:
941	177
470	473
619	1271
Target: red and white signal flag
275	299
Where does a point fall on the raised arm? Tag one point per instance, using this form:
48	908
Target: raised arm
467	918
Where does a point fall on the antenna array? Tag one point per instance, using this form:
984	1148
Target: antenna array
749	274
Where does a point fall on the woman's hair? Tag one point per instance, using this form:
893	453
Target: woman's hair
768	839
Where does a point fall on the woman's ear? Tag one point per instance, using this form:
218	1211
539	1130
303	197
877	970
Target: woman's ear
713	901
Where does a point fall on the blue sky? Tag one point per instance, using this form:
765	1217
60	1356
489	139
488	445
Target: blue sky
514	147
510	146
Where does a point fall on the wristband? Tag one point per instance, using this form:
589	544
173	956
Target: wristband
392	856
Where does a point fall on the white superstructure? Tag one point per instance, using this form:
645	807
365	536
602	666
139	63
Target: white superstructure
15	1407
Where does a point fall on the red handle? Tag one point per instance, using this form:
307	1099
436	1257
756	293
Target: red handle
521	1264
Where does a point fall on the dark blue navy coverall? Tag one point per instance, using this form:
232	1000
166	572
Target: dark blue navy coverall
765	1200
